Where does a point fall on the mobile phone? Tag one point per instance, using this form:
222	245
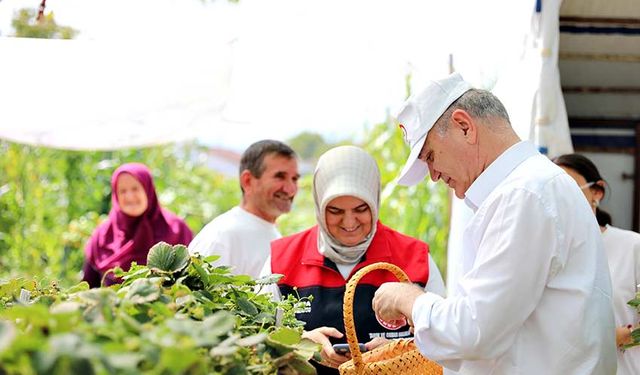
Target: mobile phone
344	348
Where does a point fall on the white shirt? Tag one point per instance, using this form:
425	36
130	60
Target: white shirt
242	239
435	283
535	295
623	254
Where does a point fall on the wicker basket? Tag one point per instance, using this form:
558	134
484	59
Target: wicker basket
396	357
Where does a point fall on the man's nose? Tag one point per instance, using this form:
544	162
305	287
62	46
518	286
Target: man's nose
435	175
290	187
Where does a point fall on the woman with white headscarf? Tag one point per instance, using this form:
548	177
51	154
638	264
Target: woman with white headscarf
319	261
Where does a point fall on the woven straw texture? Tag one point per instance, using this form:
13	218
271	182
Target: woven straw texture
397	356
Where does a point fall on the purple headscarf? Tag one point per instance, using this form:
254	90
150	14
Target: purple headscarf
122	239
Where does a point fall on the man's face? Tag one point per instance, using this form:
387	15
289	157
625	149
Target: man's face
272	194
450	158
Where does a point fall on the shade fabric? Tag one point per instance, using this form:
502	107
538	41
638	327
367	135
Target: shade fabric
91	95
529	87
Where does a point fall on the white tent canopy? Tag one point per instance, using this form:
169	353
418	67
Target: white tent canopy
292	66
92	95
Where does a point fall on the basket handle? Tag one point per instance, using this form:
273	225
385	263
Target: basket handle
347	308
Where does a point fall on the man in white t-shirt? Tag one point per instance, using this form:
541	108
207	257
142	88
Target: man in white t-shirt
242	236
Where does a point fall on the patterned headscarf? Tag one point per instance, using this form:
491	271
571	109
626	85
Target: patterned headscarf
342	171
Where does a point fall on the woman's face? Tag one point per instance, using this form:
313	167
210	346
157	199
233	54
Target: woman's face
348	219
131	195
592	194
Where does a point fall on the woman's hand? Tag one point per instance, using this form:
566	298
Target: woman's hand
623	335
321	336
377	341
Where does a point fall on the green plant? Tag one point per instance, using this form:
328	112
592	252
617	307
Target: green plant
51	201
176	315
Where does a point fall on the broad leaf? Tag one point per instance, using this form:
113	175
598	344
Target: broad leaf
252	340
247	306
161	257
143	291
269	279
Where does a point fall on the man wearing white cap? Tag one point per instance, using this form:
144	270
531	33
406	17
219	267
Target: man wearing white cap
535	295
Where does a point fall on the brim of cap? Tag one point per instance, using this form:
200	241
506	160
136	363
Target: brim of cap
414	170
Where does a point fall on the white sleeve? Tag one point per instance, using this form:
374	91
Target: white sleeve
501	289
271	288
435	283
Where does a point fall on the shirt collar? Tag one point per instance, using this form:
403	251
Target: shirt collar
496	172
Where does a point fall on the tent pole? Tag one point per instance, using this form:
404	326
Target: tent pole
636	178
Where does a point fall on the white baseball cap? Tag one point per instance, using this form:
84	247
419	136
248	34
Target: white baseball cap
417	117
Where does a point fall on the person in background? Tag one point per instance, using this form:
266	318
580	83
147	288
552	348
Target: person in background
241	236
136	222
535	295
320	261
623	253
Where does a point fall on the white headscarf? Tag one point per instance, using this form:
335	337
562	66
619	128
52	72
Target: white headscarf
341	171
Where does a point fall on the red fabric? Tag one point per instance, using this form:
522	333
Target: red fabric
122	239
298	259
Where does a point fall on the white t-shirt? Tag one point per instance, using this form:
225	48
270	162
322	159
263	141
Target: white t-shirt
623	254
535	295
242	239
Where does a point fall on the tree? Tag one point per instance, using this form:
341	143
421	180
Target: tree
27	26
309	145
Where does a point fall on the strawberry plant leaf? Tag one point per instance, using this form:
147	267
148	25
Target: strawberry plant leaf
161	257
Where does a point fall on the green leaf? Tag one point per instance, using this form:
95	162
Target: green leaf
164	258
247	306
182	258
307	348
223	351
252	340
269	279
211	258
66	307
285	336
204	276
177	361
143	291
81	287
634	302
128	362
219	323
302	367
161	257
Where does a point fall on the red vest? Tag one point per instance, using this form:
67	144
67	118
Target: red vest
304	268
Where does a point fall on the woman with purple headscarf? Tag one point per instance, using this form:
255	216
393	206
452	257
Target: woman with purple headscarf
136	222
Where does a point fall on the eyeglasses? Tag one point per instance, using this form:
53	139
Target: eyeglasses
587	185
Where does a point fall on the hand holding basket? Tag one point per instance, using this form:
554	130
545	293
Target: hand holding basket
396	357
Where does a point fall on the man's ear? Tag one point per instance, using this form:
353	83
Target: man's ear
465	124
245	180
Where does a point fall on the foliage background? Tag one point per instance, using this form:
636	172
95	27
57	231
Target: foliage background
51	200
